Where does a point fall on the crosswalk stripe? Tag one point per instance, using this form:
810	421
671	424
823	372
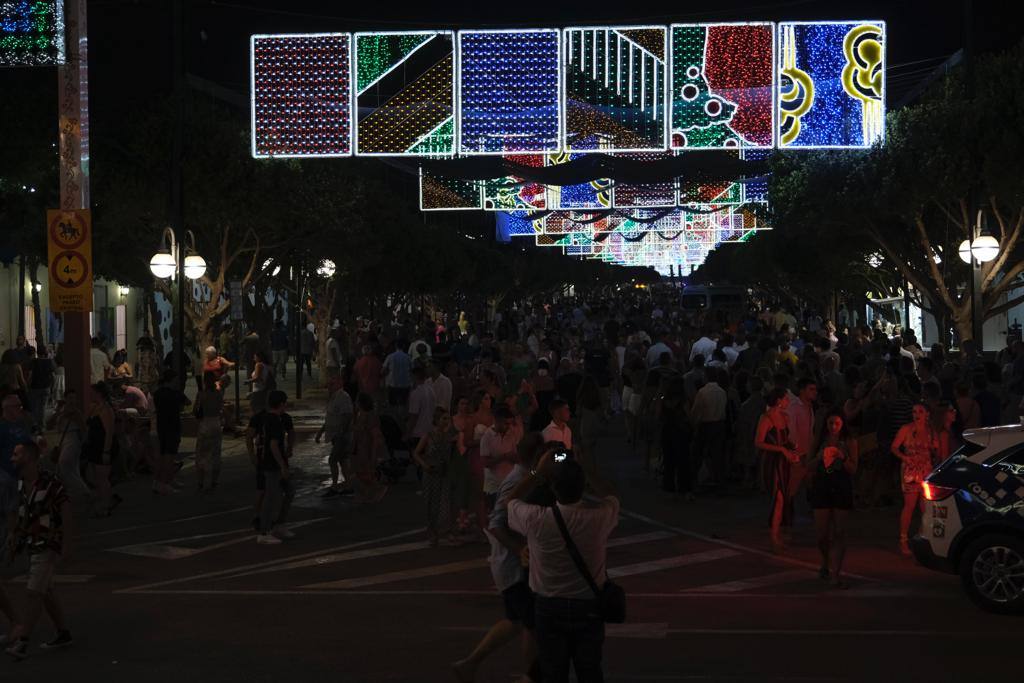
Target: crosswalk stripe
729	544
422	572
269	563
405	575
322	560
755	582
639	538
166	550
60	578
671	562
417	545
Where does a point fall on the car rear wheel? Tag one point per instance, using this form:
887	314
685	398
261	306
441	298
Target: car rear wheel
992	571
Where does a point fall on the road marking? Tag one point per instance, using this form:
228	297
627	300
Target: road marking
257	565
60	578
671	563
419	545
661	630
389	577
110	532
754	582
639	538
818	597
639	630
323	560
423	572
735	546
165	550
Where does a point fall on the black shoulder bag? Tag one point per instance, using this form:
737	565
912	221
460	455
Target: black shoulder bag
612	597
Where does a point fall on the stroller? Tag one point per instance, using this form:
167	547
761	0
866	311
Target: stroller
393	468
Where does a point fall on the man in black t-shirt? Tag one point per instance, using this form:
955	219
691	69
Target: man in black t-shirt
270	439
168	401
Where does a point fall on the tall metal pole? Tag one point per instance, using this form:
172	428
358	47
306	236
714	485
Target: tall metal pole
73	105
177	202
977	323
299	307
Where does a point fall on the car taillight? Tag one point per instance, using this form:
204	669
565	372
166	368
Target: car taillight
935	492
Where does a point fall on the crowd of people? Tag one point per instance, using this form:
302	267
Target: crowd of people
503	421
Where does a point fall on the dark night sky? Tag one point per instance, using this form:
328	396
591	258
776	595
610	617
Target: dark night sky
130	39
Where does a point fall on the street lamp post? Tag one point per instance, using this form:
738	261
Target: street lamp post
167	263
980	247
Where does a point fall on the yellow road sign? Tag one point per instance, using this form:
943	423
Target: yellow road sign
69	245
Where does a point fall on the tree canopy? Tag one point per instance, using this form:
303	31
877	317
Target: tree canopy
864	219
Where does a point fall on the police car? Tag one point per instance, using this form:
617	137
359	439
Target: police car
973	524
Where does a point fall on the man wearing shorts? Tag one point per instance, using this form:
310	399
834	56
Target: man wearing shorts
43	516
270	440
168	400
510	578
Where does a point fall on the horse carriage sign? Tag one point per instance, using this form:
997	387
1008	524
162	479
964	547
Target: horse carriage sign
69	246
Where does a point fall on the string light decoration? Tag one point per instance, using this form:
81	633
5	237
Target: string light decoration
615	89
644	195
442	193
32	33
722	85
831	86
405	93
301	86
512	192
508	92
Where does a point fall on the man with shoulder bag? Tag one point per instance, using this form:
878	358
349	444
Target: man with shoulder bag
568	551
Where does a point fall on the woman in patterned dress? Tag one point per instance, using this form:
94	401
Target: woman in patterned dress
434	453
917	447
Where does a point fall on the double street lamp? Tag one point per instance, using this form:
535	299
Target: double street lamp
980	247
188	265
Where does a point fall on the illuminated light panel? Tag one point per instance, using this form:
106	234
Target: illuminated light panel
32	32
644	195
593	195
508	92
509	224
442	193
511	192
614	90
831	87
568	223
405	93
301	104
722	86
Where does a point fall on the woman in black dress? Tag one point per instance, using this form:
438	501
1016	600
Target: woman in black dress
831	494
777	455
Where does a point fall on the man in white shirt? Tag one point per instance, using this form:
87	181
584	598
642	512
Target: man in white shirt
705	346
569	624
498	449
422	403
708	414
335	355
729	349
654	353
801	429
559	429
418	350
440	385
337	428
99	362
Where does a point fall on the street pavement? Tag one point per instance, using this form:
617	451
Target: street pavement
176	588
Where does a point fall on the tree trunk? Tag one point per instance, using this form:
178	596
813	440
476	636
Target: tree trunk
37	313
